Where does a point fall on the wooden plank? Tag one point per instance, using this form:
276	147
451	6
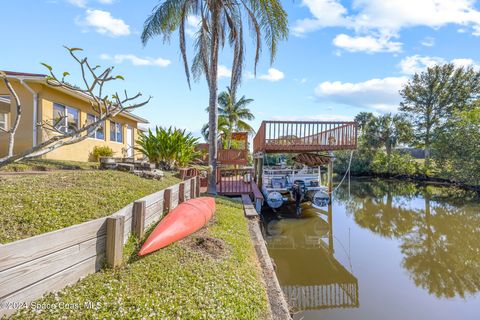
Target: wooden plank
138	218
152	220
154	208
53	283
26	274
22	251
152	198
175	197
114	246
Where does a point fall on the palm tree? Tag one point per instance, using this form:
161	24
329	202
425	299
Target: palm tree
236	112
223	128
232	115
387	131
220	22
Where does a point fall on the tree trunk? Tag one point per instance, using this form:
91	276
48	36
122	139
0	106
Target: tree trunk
212	106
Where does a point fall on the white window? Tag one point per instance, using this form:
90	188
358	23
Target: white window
100	132
65	118
4	121
116	132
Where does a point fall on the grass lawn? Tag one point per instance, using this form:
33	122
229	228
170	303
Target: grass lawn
48	165
34	204
212	274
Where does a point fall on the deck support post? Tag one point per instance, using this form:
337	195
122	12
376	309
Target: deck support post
260	172
330	181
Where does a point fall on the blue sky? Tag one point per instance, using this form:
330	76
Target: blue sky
342	57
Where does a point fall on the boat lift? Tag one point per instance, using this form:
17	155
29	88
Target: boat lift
310	140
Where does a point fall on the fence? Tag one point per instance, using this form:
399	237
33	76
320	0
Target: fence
31	267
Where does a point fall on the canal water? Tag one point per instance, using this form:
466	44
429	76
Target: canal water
383	250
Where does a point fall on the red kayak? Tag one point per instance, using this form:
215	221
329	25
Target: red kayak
185	219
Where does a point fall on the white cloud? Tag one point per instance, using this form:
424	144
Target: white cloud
377	94
223	72
272	75
104	23
428	42
367	44
465	62
193	22
300	81
387	18
326	13
83	3
416	63
135	60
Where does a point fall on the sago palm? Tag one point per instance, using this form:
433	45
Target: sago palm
220	22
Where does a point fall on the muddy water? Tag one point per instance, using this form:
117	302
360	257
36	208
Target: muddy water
383	250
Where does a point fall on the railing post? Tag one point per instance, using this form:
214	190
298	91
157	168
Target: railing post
192	188
181	192
138	216
197	186
167	200
114	246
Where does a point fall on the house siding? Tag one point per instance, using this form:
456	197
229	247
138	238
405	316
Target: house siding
47	96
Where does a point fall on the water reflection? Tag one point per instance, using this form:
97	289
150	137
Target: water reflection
303	251
438	230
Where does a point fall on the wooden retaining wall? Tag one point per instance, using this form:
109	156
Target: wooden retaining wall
31	267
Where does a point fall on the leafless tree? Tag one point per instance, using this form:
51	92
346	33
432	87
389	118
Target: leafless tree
105	106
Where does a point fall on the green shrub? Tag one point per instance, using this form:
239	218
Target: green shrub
100	151
397	163
361	161
169	148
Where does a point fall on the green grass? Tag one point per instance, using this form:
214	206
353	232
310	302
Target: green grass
176	282
34	204
48	165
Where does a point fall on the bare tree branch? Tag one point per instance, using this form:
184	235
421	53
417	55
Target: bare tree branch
105	107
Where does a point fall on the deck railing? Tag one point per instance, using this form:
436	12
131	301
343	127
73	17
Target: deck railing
234	181
304	136
233	156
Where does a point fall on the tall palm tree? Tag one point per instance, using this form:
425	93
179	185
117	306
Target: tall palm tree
220	22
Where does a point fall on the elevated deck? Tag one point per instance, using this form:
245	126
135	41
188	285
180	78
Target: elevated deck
305	136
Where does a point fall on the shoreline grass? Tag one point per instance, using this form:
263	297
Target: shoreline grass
177	282
35	204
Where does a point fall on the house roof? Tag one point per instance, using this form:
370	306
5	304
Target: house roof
37	77
24	74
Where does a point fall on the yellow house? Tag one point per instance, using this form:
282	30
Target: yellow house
41	102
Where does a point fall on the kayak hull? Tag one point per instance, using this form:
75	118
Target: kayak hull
185	219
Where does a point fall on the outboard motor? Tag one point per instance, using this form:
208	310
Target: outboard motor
320	198
298	193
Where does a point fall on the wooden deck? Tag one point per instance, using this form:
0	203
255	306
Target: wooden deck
305	136
239	182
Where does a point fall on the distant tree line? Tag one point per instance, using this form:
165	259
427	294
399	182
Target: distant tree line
439	113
